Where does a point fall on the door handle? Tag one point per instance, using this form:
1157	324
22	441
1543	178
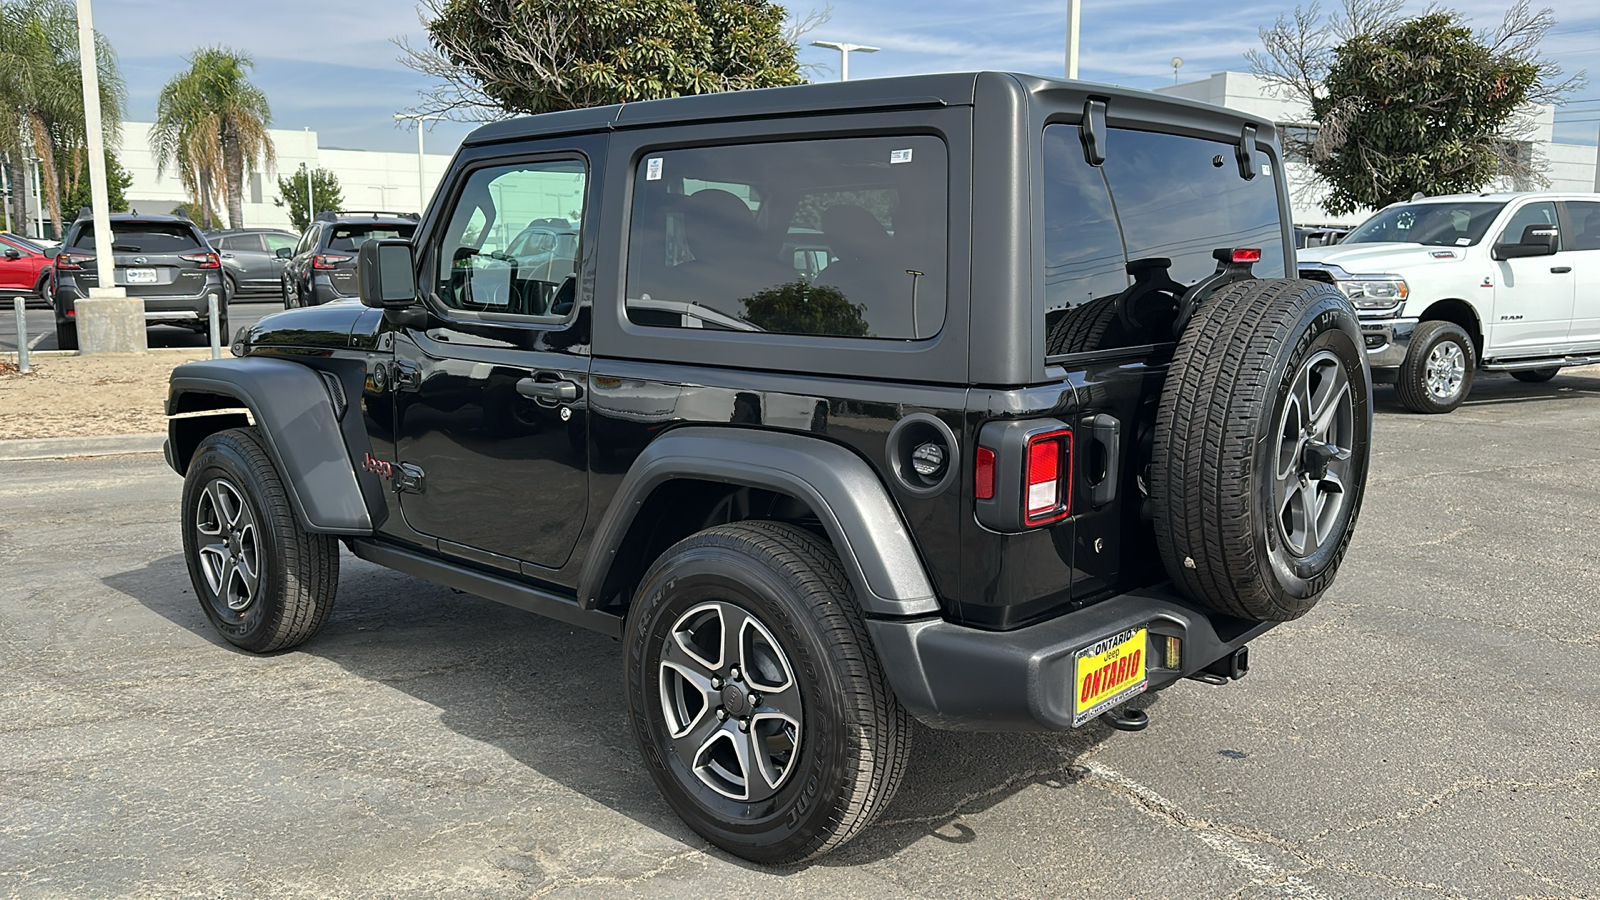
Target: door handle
1560	270
1105	433
558	391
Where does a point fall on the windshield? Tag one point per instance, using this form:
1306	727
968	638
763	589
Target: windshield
1435	224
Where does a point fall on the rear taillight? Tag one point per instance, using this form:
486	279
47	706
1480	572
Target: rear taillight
1047	492
329	260
206	260
983	475
72	262
1247	256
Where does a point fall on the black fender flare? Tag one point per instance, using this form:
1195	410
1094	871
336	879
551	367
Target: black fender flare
847	496
295	415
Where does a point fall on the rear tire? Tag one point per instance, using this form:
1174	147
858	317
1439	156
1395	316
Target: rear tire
1261	445
264	582
833	737
1536	376
67	335
1437	373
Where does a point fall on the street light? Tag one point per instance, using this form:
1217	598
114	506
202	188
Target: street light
844	54
422	179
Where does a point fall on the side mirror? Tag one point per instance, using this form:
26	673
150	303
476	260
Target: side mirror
385	275
283	253
1537	240
11	253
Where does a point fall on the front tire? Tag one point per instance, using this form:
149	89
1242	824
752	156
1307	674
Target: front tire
1535	376
263	581
756	695
1262	439
1437	373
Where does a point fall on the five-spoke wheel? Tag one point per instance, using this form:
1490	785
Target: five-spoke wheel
230	548
1315	438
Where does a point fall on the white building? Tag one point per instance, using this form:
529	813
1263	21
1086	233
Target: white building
367	179
1570	167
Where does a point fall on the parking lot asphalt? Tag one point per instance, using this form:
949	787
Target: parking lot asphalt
1428	731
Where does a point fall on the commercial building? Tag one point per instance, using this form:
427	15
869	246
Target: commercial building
1569	167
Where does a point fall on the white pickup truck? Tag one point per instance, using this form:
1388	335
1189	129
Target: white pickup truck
1446	285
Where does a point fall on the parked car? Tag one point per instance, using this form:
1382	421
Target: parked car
1305	238
24	269
1449	285
1051	430
250	260
163	260
322	266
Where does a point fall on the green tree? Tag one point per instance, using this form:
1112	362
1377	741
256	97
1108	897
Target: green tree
41	92
1404	106
75	178
800	307
533	56
211	128
325	193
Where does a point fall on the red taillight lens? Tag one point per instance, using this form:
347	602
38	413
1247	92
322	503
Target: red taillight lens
206	260
983	476
72	262
1047	493
328	260
1246	256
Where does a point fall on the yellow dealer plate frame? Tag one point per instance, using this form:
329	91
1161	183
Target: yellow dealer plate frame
1108	672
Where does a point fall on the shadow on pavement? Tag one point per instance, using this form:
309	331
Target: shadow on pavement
1492	388
550	696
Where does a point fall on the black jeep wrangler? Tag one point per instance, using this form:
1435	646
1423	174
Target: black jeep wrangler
980	399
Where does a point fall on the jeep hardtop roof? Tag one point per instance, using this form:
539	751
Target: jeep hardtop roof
1045	95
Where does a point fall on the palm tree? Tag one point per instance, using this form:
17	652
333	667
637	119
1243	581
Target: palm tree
211	127
41	91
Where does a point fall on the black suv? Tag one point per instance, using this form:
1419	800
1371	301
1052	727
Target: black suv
322	266
980	399
162	260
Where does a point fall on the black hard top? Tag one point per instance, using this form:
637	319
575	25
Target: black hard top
953	89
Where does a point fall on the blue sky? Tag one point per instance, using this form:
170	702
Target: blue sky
330	65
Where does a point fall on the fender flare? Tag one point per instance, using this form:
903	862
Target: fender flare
295	417
848	497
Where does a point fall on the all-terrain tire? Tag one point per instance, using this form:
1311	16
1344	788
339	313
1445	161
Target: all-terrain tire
1436	374
1238	438
235	509
1536	376
853	737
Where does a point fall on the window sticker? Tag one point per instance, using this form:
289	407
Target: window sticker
652	169
899	156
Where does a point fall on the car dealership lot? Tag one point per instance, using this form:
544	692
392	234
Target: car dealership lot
1428	731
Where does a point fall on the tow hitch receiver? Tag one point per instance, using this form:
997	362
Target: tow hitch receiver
1235	665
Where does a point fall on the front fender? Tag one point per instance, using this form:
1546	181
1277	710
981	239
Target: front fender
845	493
295	416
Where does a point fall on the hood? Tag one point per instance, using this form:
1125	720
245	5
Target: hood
325	327
1379	259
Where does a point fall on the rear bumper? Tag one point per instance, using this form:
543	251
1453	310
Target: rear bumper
178	309
963	679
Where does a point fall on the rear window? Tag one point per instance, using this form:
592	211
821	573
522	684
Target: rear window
351	237
1150	216
142	237
1434	224
845	238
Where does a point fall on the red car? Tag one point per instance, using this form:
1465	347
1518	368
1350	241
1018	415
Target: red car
24	269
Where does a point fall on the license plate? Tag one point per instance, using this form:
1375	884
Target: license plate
141	276
1109	672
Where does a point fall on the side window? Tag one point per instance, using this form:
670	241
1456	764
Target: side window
276	242
1542	214
844	238
308	240
1085	269
1585	215
511	245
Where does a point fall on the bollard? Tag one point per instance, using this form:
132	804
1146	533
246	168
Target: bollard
216	346
21	306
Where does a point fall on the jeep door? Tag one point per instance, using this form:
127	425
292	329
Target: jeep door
1584	257
490	395
1534	294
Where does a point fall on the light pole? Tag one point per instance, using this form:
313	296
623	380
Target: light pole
844	54
1072	39
422	178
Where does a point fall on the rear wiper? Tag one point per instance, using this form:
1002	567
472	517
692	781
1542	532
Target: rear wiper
125	248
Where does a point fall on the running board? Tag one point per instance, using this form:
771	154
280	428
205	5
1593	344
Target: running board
1548	362
491	587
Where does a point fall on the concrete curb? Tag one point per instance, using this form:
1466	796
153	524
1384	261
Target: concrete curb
79	447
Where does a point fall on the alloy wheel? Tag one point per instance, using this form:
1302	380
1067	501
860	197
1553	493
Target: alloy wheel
229	549
1315	439
1446	370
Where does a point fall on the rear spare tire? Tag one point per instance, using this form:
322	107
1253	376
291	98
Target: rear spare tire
1261	446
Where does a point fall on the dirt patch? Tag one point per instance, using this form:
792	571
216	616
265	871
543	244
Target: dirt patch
88	396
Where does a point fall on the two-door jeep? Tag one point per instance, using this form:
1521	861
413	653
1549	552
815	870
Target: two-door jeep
979	399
